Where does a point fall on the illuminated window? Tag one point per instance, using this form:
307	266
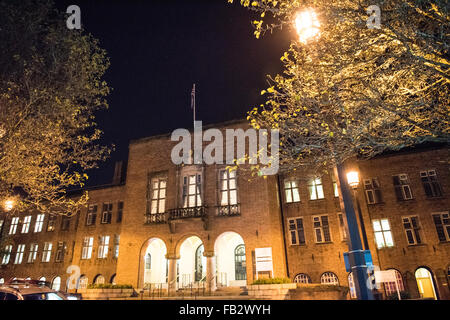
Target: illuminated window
372	190
321	229
192	185
1	227
442	224
329	278
83	282
302	278
296	231
26	224
56	283
383	235
86	252
315	189
7	254
91	216
390	286
342	226
39	223
51	223
107	212
291	191
402	188
33	252
103	247
19	254
240	269
335	186
156	199
99	279
13	226
430	183
116	245
228	188
412	230
351	286
46	254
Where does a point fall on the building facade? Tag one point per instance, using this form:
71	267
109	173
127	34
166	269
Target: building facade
176	226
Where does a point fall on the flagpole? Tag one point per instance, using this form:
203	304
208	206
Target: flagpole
193	101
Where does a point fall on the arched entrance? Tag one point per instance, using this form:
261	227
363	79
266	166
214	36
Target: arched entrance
425	283
192	263
231	263
155	262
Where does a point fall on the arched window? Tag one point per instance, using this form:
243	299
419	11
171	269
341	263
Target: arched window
2	280
56	284
198	262
113	279
425	283
42	279
82	282
329	278
351	286
240	263
390	286
148	261
99	279
302	278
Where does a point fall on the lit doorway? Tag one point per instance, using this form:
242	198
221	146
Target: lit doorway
155	263
231	263
192	263
425	283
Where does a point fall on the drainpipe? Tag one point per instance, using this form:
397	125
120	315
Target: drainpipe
280	202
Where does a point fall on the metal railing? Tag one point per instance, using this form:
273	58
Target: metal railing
151	218
184	213
229	210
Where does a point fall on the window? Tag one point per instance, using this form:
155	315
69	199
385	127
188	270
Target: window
302	278
321	229
13	226
60	250
1	227
65	223
402	188
91	215
99	279
315	189
192	191
33	252
442	224
390	286
296	231
342	226
291	191
119	211
156	198
383	235
86	252
412	230
7	254
351	286
335	186
240	268
228	188
116	245
372	189
56	283
51	223
107	212
39	223
19	254
103	247
46	254
329	278
148	261
83	282
430	183
26	224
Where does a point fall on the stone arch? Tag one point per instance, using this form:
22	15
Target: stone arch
424	287
183	238
142	276
231	265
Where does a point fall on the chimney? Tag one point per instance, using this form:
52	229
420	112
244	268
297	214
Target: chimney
119	173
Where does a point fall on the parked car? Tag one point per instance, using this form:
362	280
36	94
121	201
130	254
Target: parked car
22	289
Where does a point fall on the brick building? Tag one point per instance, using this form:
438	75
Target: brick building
177	225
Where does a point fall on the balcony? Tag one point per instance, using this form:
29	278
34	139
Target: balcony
229	210
151	218
186	213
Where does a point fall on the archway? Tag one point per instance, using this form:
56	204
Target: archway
425	283
56	283
155	262
192	263
231	264
99	279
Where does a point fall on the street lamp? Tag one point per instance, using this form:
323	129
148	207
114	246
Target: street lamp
353	179
9	204
307	25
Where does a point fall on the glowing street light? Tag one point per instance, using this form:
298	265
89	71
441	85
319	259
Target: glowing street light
307	25
9	205
353	179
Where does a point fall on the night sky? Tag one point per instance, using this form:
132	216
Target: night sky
158	49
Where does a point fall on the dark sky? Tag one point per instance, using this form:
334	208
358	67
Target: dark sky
158	49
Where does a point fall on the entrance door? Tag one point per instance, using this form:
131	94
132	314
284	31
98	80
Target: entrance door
198	262
240	263
425	283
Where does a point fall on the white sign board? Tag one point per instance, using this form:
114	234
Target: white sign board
263	257
388	276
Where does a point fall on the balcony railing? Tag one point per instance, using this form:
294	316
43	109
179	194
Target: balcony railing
229	210
184	213
155	218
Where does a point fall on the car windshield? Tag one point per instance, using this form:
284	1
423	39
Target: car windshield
42	296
